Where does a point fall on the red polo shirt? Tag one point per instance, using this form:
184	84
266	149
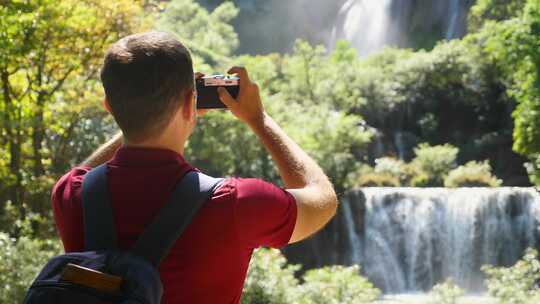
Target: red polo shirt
208	263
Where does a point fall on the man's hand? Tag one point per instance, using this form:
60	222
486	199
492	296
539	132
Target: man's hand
248	106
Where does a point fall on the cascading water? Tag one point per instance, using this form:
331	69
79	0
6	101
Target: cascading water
372	19
454	15
412	239
371	25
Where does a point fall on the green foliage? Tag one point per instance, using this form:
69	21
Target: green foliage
388	165
33	224
431	166
391	172
414	176
436	161
407	174
533	168
329	102
20	261
50	55
378	180
208	34
271	281
446	293
451	94
513	45
336	284
516	284
493	10
472	174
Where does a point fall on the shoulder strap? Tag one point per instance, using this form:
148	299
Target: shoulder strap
99	229
175	216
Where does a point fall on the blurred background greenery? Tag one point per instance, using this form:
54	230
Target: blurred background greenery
453	113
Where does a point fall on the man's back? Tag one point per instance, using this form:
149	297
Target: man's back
209	262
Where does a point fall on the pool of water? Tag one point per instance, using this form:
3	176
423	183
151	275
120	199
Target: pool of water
426	299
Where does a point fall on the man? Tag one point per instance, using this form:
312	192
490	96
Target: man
149	87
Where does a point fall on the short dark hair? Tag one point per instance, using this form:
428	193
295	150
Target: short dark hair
145	77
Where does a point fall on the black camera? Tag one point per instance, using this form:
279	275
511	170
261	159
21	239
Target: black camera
207	95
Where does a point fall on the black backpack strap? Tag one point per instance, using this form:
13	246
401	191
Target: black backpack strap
99	229
175	216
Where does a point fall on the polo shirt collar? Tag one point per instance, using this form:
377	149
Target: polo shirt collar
135	156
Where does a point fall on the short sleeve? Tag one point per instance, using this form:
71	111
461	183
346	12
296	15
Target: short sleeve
67	208
265	215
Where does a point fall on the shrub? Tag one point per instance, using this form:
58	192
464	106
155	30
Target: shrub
270	280
435	161
391	172
20	261
413	176
516	284
388	165
336	284
472	174
378	180
446	293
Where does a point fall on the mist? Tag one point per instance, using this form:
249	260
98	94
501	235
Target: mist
273	26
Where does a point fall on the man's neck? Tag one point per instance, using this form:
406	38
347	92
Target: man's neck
177	146
170	139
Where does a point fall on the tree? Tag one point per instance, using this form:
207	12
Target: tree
493	10
513	44
50	53
209	36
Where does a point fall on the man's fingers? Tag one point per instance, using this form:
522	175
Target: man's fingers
198	75
242	74
225	97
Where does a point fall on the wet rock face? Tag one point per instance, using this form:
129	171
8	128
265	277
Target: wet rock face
409	239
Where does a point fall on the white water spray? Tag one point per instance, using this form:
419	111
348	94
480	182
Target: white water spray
370	25
415	238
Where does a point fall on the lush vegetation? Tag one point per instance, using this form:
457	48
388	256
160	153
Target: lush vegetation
270	280
463	113
517	284
432	166
446	293
472	174
460	93
21	260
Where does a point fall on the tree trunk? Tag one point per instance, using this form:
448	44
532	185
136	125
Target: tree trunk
38	134
12	125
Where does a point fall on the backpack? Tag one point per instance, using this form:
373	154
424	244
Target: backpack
105	274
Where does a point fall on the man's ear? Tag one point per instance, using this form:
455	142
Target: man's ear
188	106
106	105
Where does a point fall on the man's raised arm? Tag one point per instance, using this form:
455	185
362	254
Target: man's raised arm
315	197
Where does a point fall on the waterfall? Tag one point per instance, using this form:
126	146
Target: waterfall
353	238
415	238
454	15
370	25
366	24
